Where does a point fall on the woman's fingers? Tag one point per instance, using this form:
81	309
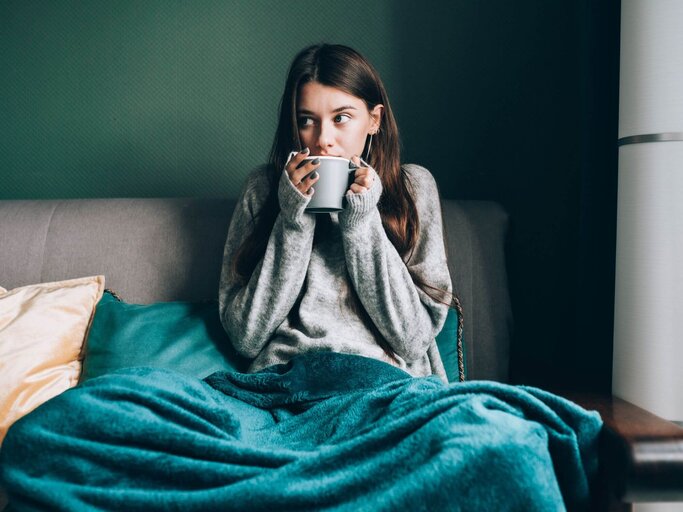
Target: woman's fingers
296	159
302	174
363	177
356	188
306	184
305	177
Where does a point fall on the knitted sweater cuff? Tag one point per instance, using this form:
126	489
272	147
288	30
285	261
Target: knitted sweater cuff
359	207
293	203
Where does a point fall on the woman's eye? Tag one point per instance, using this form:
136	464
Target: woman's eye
304	121
338	118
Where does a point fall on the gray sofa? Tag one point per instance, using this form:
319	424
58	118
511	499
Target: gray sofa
170	249
153	250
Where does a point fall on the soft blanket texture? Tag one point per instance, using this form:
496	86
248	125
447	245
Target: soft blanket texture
323	432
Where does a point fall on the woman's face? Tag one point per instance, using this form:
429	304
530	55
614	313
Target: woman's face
332	122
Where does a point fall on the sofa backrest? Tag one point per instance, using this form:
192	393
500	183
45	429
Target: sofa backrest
170	249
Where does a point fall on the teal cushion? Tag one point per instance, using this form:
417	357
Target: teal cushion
188	337
182	336
447	342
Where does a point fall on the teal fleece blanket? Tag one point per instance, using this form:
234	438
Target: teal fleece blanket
324	432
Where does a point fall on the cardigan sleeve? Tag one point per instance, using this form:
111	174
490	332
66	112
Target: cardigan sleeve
406	316
251	312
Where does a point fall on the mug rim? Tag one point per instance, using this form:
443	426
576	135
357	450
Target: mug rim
327	157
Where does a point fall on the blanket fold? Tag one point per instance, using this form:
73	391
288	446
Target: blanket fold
324	432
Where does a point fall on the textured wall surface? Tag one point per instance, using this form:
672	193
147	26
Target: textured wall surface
155	98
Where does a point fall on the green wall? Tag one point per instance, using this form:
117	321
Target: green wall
510	101
156	98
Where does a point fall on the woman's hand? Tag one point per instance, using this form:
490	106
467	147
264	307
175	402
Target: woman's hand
363	178
304	177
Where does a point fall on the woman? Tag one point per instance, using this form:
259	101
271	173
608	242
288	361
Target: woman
371	280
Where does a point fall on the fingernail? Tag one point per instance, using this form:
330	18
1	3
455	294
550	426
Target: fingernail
316	161
303	151
314	175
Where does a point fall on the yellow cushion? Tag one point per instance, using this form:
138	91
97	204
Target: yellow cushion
42	332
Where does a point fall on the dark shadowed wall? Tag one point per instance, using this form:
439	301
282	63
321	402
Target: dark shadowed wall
510	101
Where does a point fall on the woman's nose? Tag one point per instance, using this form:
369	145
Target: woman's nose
325	137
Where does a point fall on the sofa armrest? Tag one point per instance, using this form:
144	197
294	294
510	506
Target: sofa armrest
641	454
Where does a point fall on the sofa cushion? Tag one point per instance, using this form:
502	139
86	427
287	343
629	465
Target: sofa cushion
184	336
42	330
188	337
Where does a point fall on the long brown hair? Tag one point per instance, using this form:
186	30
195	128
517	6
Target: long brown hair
345	69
